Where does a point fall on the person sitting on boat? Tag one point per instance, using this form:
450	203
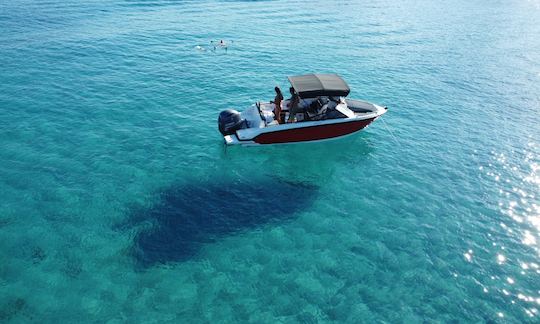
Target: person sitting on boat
293	105
277	103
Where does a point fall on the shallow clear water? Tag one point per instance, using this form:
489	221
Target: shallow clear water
118	201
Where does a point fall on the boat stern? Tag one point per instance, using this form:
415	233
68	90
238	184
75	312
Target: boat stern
231	139
234	140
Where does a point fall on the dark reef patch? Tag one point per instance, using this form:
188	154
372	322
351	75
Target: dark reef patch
72	267
185	216
38	255
11	309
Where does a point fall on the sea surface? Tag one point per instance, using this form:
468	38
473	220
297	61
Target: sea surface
119	203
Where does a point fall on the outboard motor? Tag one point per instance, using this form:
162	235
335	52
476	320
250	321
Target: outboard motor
230	121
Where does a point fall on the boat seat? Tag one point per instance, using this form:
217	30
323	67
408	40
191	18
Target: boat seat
319	114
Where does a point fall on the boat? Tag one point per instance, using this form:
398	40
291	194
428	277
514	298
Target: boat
324	112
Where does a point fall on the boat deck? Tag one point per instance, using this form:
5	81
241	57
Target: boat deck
350	108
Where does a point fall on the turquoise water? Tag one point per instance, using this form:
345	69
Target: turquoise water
119	203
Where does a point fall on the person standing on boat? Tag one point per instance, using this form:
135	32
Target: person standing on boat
277	102
293	105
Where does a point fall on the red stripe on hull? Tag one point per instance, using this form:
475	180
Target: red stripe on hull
312	133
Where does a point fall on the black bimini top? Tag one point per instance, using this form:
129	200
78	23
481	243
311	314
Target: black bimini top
314	85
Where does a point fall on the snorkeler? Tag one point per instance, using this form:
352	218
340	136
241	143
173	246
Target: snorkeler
221	43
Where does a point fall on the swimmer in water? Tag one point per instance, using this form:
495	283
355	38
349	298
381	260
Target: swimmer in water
221	44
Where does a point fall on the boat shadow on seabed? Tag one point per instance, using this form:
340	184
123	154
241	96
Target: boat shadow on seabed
187	215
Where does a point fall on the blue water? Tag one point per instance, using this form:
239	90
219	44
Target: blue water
119	203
